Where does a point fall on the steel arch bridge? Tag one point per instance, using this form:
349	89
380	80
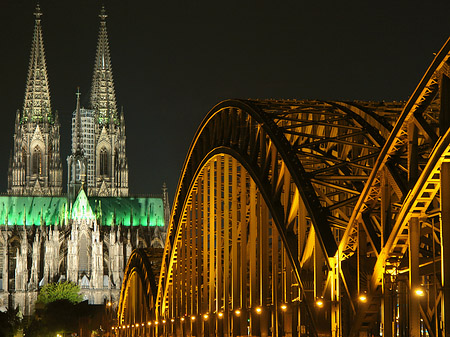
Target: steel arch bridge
308	218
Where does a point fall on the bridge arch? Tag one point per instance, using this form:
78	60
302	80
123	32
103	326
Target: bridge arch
282	203
271	149
137	295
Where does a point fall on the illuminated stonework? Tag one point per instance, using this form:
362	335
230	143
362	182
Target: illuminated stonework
36	167
45	239
87	235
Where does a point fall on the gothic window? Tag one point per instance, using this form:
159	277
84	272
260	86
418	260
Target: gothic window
83	262
78	170
36	166
103	162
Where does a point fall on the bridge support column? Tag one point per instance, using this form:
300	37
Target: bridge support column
243	327
414	277
445	247
335	299
254	220
287	284
235	285
402	307
387	310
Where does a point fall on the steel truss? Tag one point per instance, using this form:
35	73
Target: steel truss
308	218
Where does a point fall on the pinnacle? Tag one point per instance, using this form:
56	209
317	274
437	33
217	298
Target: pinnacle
38	13
103	14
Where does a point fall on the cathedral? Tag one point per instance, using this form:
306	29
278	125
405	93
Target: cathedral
86	235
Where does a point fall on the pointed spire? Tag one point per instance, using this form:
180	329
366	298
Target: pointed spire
103	97
36	105
78	146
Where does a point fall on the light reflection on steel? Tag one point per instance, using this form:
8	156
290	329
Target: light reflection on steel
324	216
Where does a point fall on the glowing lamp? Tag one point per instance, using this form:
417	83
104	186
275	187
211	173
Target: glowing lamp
319	302
192	318
220	314
362	298
258	310
419	292
205	317
283	307
237	312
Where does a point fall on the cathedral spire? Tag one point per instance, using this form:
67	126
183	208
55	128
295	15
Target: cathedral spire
103	97
36	105
78	146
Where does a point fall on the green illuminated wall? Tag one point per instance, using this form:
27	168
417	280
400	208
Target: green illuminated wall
125	211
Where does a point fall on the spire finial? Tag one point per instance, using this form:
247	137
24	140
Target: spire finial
103	14
38	13
79	147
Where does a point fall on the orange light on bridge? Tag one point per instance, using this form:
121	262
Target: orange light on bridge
205	317
319	302
182	319
419	292
220	314
172	320
149	323
237	312
283	307
362	298
192	318
164	321
258	310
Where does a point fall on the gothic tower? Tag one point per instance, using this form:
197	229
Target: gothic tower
77	161
111	165
35	167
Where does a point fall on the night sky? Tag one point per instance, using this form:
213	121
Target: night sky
174	60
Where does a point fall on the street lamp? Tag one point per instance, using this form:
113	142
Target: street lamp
319	302
419	292
362	298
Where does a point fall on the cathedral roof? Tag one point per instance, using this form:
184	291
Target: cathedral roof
81	208
37	94
129	210
103	97
125	211
32	210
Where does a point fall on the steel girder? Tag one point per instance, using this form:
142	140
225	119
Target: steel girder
315	153
416	148
349	187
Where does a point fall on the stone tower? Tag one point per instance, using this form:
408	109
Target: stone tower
35	166
77	162
111	165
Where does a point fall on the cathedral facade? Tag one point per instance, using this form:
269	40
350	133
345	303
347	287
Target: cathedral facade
86	235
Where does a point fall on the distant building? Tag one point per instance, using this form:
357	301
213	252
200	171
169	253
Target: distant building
87	235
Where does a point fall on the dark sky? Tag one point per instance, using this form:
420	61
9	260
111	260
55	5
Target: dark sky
174	60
